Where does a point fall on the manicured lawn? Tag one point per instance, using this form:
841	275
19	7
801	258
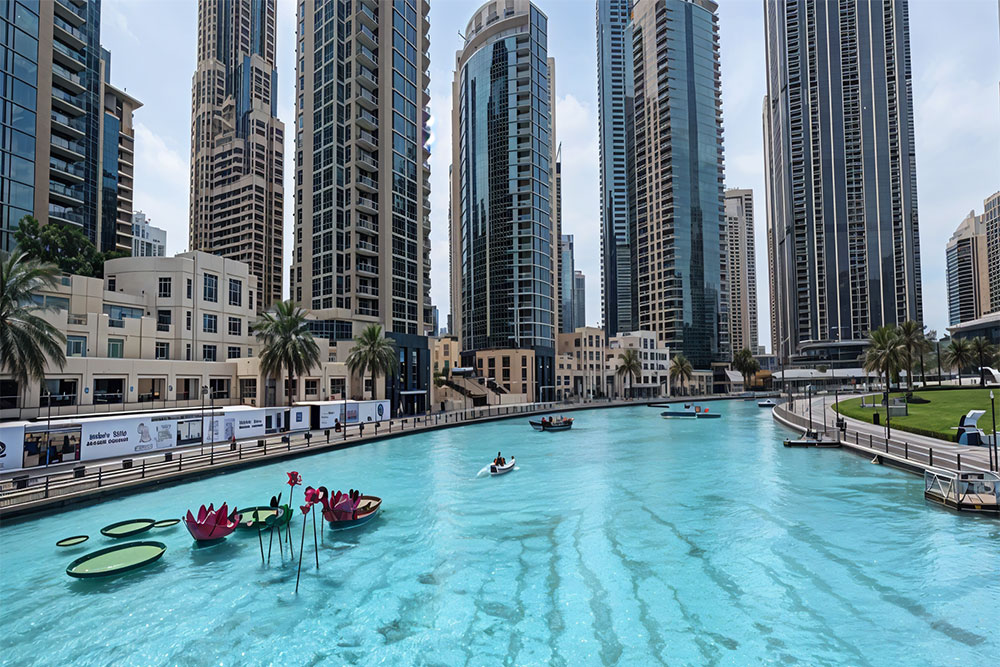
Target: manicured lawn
935	418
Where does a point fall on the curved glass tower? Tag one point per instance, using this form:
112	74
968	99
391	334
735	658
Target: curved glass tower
504	231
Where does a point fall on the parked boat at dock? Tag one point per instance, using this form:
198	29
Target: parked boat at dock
964	491
689	411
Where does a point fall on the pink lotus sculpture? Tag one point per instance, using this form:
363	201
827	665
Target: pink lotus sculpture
341	506
211	524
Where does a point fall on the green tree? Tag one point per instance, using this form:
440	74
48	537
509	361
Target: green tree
744	362
66	246
984	354
629	366
958	355
286	343
681	370
913	343
27	341
885	355
373	352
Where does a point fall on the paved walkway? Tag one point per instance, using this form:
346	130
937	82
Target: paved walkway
910	450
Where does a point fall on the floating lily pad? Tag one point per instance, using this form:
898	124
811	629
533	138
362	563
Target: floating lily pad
128	528
166	523
115	560
72	541
254	517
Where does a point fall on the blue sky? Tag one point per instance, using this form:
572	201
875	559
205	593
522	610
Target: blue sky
955	50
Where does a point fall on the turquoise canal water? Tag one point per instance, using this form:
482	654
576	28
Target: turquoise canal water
629	540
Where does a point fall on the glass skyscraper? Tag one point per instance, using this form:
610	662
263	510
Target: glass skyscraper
680	221
843	237
504	232
615	99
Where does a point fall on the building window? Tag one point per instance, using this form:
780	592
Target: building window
165	288
188	320
233	351
235	292
251	299
209	323
116	348
338	387
249	352
235	326
57	393
312	387
208	353
218	387
163	320
187	352
211	288
190	288
109	390
112	284
76	346
162	351
248	388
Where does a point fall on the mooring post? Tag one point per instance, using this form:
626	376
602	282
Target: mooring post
958	461
930	457
906	450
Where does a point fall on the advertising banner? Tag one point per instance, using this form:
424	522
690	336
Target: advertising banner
11	447
128	435
239	423
373	411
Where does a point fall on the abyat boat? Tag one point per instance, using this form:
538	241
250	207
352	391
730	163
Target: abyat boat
265	516
346	510
212	524
689	411
116	560
496	470
767	403
127	528
564	424
964	491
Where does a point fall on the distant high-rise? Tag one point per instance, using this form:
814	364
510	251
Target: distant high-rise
680	220
504	229
579	300
237	141
362	211
968	277
615	97
147	240
742	272
68	152
991	226
567	321
841	175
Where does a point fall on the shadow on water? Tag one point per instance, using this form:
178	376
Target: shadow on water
203	553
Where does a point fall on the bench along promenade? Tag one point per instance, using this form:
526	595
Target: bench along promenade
908	451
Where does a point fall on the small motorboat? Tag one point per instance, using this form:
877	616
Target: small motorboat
767	403
341	511
689	411
564	424
496	470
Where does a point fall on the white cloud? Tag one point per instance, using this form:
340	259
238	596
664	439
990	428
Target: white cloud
162	185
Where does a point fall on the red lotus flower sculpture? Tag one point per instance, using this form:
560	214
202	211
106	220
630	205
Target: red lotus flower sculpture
294	479
211	523
342	506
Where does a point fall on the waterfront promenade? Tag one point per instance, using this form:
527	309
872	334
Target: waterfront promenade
905	450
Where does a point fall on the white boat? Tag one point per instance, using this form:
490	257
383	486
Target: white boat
767	403
502	470
689	411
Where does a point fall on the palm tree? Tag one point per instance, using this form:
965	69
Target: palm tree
286	343
27	341
958	355
372	352
912	341
629	366
744	362
885	355
681	370
984	354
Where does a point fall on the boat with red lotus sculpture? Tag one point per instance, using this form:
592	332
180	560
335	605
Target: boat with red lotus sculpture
212	524
349	510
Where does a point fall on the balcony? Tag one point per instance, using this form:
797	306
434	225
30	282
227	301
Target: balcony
71	150
75	127
367	78
367	184
368	225
367	205
366	247
367	290
73	36
367	160
370	269
65	214
67	57
65	195
366	56
366	98
65	170
68	104
367	120
70	12
66	79
368	140
366	36
367	17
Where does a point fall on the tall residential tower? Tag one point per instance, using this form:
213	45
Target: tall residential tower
742	272
362	224
504	230
841	175
615	107
237	141
680	221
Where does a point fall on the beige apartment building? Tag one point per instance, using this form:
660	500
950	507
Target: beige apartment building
742	270
237	142
588	362
968	275
154	332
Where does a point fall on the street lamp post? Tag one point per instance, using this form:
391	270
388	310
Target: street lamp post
888	432
993	406
204	392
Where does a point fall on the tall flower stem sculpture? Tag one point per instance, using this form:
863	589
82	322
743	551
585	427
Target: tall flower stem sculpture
305	510
294	479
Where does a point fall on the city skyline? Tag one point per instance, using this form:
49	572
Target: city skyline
952	168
